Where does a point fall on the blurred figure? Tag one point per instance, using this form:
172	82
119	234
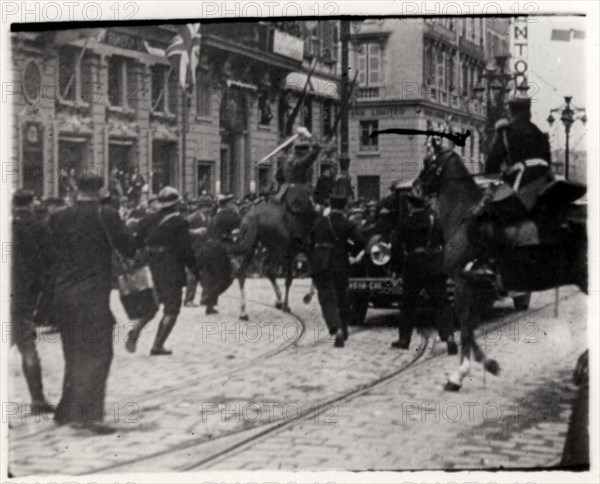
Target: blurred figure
198	220
30	264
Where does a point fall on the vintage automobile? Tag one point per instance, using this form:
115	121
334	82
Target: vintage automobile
372	282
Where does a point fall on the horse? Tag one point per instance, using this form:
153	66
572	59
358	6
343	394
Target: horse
445	177
282	235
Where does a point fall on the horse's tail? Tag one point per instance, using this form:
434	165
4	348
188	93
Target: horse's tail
248	234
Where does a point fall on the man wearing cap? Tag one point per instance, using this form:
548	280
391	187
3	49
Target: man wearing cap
323	187
166	234
420	239
331	240
82	237
30	263
521	152
198	220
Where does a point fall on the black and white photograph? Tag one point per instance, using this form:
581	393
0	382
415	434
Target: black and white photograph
299	241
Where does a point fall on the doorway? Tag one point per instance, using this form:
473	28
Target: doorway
164	156
72	158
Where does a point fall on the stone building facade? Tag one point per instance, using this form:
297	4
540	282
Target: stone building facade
417	74
108	100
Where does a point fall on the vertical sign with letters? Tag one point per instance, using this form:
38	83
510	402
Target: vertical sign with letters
519	49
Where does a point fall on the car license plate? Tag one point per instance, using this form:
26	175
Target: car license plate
369	285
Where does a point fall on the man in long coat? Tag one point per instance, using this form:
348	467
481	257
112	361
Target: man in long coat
81	300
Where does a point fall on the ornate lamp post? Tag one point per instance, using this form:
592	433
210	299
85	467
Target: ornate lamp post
568	115
496	82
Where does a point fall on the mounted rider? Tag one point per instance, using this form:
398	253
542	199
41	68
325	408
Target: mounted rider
521	153
295	193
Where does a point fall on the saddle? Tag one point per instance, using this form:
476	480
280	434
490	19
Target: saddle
531	213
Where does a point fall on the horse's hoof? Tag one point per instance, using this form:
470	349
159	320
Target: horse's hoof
492	366
451	387
286	309
244	317
307	299
278	305
452	348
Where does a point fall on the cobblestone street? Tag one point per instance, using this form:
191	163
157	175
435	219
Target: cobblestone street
275	394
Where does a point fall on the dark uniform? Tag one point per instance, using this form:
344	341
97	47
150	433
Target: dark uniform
216	274
331	237
198	221
81	299
31	262
295	193
166	234
421	239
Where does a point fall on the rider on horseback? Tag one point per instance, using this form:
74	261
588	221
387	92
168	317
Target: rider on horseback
521	152
296	193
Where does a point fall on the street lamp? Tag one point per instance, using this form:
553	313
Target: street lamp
568	115
494	84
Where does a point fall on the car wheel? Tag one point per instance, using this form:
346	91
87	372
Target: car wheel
521	302
360	305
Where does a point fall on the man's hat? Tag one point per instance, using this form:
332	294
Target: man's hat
168	197
357	211
89	181
22	197
338	203
59	201
223	199
204	201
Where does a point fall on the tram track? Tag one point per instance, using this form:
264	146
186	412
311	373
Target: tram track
144	398
264	430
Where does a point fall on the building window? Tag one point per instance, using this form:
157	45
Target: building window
164	90
451	73
67	58
203	95
465	79
308	113
117	81
368	187
441	70
204	177
369	64
366	142
328	116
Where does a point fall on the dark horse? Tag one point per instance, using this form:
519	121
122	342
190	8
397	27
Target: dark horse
563	262
272	226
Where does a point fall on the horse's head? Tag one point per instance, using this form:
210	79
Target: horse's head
430	179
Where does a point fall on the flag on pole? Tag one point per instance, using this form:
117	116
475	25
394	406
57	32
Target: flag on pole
565	35
184	53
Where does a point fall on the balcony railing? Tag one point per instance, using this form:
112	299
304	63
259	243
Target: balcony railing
368	92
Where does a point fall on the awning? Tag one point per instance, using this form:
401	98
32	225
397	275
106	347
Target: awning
318	86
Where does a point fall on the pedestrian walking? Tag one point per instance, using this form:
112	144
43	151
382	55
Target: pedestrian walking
81	301
166	235
332	240
30	264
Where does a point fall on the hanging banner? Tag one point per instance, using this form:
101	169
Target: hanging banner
519	48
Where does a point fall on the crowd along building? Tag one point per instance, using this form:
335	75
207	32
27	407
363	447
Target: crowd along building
417	74
108	99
